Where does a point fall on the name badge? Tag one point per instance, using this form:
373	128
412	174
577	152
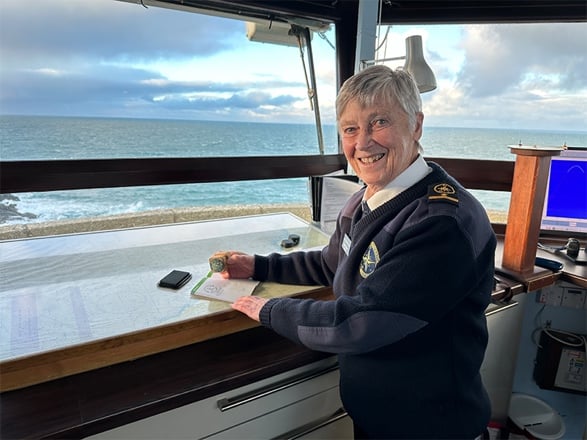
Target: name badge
346	244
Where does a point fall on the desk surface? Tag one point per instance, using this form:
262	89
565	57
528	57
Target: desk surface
65	300
571	272
78	302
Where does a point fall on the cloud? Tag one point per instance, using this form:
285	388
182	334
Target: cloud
507	57
113	58
101	58
512	75
68	30
252	100
105	90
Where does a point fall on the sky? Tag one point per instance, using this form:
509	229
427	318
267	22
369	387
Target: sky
109	58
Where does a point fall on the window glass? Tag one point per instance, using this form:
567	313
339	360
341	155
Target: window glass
498	85
111	79
518	82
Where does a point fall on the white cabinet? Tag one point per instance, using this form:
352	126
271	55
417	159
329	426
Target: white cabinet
313	413
504	323
302	403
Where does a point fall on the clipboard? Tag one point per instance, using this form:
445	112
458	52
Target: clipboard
329	193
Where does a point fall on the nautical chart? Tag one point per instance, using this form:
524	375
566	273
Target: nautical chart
61	291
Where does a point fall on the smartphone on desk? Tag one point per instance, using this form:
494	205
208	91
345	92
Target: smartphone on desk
175	279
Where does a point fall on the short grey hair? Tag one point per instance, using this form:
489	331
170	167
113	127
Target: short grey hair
382	85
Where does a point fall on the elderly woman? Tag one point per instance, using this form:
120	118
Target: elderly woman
411	266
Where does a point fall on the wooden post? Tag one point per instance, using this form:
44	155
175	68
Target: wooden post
526	205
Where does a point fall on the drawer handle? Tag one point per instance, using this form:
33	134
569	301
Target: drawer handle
232	402
502	308
313	426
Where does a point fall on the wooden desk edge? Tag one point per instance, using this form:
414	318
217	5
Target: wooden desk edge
94	401
537	277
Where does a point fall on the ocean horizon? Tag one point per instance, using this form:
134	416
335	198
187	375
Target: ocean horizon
56	137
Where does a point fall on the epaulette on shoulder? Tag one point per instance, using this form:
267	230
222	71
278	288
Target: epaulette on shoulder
443	192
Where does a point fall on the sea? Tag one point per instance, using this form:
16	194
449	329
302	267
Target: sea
50	138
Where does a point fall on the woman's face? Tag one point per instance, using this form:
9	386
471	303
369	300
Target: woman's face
378	142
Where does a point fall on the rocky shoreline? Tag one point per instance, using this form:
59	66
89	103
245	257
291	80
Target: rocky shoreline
9	211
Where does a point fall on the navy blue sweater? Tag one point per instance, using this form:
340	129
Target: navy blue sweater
412	280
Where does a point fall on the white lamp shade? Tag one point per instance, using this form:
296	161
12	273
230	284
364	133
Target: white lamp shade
416	65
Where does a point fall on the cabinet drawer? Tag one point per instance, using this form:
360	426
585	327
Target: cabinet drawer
336	429
219	413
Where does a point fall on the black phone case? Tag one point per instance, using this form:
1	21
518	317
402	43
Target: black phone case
175	279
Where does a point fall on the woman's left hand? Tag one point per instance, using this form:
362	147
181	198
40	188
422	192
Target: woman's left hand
250	306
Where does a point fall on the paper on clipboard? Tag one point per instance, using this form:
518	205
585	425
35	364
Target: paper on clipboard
336	190
213	286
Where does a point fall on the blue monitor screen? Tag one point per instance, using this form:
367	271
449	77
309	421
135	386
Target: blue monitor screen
565	206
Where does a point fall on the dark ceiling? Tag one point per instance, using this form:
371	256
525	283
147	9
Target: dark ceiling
403	11
479	11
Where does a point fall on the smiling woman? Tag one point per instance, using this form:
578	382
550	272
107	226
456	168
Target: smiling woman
380	132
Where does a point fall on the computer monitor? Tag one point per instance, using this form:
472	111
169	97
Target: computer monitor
565	204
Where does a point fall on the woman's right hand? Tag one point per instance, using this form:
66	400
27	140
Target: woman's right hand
238	265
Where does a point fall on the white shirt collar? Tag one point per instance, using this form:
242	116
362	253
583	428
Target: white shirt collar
412	174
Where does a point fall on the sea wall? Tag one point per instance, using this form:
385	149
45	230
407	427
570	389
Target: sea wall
148	218
161	217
